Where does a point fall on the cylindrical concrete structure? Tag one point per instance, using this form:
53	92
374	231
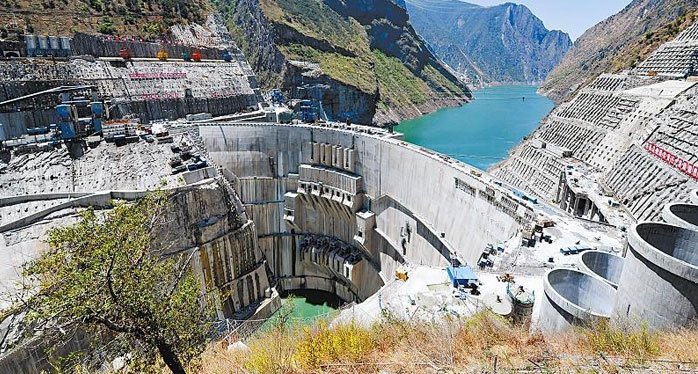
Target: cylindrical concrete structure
54	42
694	196
335	151
522	302
65	43
682	215
659	284
30	41
605	265
574	298
340	158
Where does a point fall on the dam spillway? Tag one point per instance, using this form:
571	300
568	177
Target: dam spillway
348	183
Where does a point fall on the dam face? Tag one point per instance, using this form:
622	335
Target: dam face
313	189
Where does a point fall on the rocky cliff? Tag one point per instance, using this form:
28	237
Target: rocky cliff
361	59
499	44
619	42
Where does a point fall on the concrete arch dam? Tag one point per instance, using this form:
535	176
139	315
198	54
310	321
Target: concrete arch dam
339	207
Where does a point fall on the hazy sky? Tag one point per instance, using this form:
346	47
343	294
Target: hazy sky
571	16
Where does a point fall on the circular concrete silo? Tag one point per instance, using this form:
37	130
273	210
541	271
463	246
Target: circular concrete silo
574	298
682	215
659	284
603	264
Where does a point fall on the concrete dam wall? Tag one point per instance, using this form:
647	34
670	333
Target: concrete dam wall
350	185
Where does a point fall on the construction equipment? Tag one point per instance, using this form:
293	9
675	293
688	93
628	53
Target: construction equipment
162	55
196	55
125	54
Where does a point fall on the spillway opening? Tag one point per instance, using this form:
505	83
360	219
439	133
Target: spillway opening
583	290
674	241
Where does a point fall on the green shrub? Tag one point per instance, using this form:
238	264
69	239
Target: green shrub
106	26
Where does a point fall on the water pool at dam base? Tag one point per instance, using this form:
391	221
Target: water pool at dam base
306	307
481	133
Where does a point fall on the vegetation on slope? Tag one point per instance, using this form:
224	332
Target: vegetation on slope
356	71
501	43
474	344
146	18
317	21
641	49
364	52
616	43
104	276
398	86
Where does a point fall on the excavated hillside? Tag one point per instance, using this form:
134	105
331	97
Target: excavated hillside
145	18
365	57
618	42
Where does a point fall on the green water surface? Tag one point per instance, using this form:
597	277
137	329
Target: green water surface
482	132
305	308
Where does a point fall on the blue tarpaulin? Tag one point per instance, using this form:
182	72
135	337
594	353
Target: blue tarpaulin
461	275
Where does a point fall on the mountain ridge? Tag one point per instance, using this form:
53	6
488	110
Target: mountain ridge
504	43
617	43
375	66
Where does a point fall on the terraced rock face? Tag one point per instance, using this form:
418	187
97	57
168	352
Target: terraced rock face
631	136
618	43
372	64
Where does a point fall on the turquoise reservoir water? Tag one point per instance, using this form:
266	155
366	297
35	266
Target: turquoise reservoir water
305	307
483	132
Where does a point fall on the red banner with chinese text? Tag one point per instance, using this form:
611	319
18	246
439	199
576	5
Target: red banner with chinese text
677	162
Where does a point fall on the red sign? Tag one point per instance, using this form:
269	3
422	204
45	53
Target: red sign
159	96
677	162
165	75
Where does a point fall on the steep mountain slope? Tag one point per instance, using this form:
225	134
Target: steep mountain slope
618	42
499	44
362	58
